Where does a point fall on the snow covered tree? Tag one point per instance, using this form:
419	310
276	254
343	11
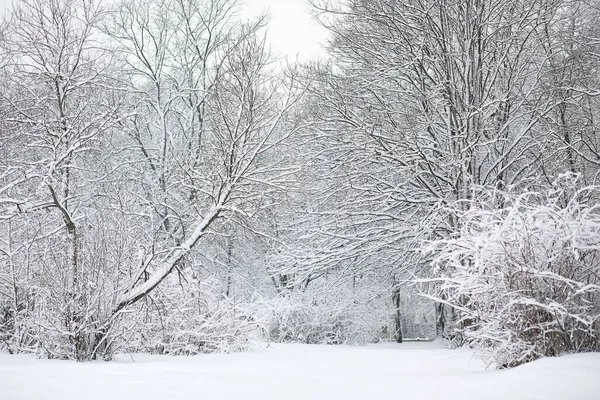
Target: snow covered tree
424	100
57	109
570	84
123	148
207	118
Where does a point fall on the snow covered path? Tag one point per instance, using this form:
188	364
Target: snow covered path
409	371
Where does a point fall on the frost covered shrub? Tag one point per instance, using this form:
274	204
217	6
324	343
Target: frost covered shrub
334	318
525	277
43	326
194	318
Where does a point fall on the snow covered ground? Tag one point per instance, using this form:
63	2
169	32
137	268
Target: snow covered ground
288	372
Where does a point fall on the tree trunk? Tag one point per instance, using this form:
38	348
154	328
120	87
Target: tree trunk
440	320
397	316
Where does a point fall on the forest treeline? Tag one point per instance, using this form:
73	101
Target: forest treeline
168	185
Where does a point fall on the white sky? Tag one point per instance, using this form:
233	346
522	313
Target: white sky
292	31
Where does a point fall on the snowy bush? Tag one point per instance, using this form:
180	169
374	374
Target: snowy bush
192	319
340	317
525	277
42	324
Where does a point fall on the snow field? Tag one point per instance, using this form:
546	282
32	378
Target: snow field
289	372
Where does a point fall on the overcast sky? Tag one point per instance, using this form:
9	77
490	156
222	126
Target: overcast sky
292	30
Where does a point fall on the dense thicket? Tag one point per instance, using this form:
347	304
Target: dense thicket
166	186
